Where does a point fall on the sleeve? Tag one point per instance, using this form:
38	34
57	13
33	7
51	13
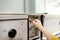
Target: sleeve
55	38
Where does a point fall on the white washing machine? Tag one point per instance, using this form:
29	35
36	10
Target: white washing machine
13	27
17	27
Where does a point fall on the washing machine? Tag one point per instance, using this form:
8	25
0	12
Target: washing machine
13	27
17	27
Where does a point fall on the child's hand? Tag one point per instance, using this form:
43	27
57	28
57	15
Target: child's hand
37	23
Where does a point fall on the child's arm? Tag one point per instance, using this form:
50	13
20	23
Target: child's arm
38	24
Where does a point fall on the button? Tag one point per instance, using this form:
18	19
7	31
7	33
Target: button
12	33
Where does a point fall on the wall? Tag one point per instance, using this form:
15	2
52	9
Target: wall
53	6
12	6
29	6
40	6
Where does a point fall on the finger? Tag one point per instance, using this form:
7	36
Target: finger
35	21
31	19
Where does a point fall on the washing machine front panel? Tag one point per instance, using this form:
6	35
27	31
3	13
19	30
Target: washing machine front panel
13	30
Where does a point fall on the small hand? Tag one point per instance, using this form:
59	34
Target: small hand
37	23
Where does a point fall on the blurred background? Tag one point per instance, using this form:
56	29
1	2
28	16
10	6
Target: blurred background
30	6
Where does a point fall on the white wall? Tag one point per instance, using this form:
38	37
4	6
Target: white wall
12	6
40	6
21	6
49	6
53	6
29	6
